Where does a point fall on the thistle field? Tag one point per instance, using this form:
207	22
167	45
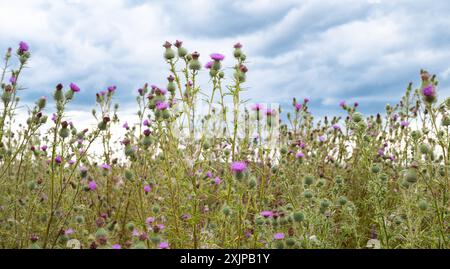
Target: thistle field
239	175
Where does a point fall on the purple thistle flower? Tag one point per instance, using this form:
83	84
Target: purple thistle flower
306	100
125	125
92	185
322	138
217	181
69	231
44	148
217	56
209	174
161	226
147	188
13	80
336	126
23	47
278	236
135	232
53	117
266	214
381	152
116	246
162	106
298	106
428	91
270	112
342	104
74	87
150	220
208	65
71	161
238	167
112	88
404	123
299	155
164	245
105	166
392	158
257	107
58	159
146	123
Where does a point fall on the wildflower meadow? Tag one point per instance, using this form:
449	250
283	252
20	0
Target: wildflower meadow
200	167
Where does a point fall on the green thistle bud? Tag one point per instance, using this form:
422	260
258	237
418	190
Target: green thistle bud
290	242
69	95
308	180
321	182
79	219
298	216
237	53
221	74
423	205
206	145
166	114
130	226
259	221
43	119
34	245
102	126
58	95
182	52
339	180
415	134
41	102
357	117
424	148
342	200
216	66
139	245
308	194
283	150
155	209
279	244
226	210
411	175
6	97
405	184
101	233
155	239
375	169
383	177
446	121
324	203
128	174
146	142
171	87
398	220
64	132
31	185
169	54
195	65
252	183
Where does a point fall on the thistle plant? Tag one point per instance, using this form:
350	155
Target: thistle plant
199	167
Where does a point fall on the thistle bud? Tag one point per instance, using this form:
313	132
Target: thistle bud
194	64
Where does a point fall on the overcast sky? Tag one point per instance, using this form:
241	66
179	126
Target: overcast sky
328	51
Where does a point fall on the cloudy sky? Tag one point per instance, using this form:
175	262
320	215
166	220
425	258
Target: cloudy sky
361	50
